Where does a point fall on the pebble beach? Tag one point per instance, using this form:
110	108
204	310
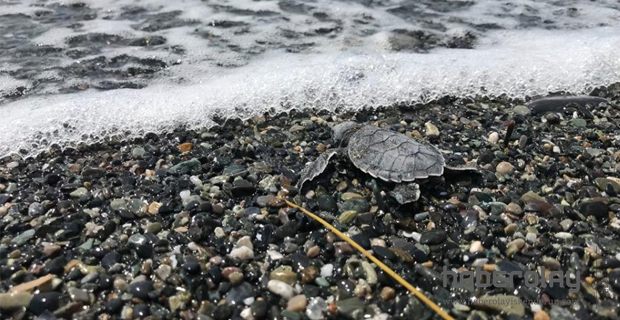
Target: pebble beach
190	224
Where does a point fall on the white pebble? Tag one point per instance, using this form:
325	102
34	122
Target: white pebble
274	255
327	270
280	288
563	235
493	137
241	253
196	181
246	314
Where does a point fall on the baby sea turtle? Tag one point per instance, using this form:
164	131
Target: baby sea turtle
383	154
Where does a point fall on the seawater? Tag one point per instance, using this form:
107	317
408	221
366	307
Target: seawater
67	70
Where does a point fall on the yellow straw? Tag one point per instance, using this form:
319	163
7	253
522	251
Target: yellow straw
418	294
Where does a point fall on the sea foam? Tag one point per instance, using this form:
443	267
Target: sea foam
347	71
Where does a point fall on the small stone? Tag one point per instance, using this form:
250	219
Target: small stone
564	235
327	270
14	300
309	274
511	228
35	209
315	308
493	137
514	246
578	122
387	293
476	246
349	306
23	237
431	129
284	274
46	301
594	207
141	245
242	253
532	196
235	278
433	237
163	271
608	185
185	166
297	303
79	193
141	289
508	304
280	288
371	274
90	173
153	227
566	224
347	216
153	208
245	241
79	295
313	251
185	147
138	152
504	168
514	208
351	196
51	249
521	110
259	309
541	315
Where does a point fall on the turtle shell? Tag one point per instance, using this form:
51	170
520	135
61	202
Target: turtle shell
392	156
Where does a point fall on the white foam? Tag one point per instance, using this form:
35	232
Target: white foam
8	84
516	63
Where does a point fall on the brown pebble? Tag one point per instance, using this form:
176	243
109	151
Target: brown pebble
51	249
235	278
75	168
387	293
185	147
153	207
504	168
313	251
488	267
309	274
514	208
30	285
297	303
541	315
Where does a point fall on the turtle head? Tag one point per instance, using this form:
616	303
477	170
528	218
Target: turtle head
342	132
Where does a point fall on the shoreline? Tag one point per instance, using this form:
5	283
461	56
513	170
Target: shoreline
187	223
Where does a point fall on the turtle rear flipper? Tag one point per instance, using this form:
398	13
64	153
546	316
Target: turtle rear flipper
406	193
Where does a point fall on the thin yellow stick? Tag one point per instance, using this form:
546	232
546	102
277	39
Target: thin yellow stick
418	294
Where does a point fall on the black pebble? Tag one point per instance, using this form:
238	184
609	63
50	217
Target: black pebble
362	239
433	237
110	259
259	309
191	265
44	301
141	289
114	306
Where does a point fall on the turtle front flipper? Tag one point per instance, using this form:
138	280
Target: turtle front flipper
314	168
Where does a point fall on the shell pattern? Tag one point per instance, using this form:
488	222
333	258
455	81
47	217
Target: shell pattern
392	156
